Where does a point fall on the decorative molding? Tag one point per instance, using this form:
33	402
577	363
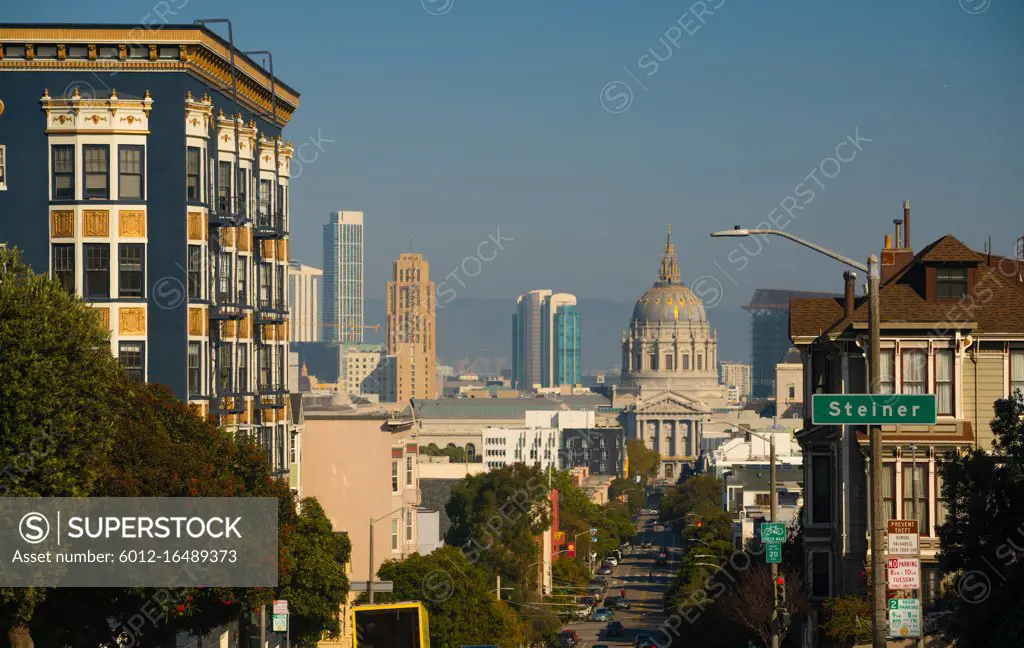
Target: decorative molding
196	317
132	321
131	223
62	223
195	226
104	317
96	222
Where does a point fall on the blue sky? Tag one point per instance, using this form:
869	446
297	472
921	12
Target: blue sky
445	128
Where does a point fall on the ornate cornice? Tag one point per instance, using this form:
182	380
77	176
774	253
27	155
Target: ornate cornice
200	53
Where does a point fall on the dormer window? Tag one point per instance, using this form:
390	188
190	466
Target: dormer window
950	283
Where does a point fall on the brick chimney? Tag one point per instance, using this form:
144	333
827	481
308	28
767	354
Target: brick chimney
850	295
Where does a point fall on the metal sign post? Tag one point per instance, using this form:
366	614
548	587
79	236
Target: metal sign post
903	560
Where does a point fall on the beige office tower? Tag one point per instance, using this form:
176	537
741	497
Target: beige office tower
411	330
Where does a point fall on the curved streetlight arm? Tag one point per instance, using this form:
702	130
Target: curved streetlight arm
738	231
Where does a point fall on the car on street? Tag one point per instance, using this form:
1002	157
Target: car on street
647	544
601	581
622	603
658	528
654	511
569	637
611	560
613	629
602	614
581	613
605	571
589	601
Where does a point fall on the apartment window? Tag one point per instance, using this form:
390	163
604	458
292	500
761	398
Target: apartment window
3	166
130	354
821	493
282	200
242	190
886	373
280	289
294	447
64	172
916	492
195	271
792	391
194	368
97	270
654	361
1017	371
944	382
224	368
265	201
700	362
408	525
264	367
192	174
243	368
889	490
915	372
669	366
686	362
394	477
97	171
130	172
224	277
130	262
241	278
941	506
64	265
408	471
821	574
762	499
224	187
950	283
264	278
394	534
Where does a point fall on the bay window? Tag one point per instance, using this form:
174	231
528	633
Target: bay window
1016	371
130	164
915	492
889	490
944	382
97	171
915	371
886	384
63	172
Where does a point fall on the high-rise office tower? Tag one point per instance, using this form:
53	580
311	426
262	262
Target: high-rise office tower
411	328
343	278
305	294
545	340
148	183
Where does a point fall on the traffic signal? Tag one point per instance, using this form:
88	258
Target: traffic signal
700	523
780	592
571	551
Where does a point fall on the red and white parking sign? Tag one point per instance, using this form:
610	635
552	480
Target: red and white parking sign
904	573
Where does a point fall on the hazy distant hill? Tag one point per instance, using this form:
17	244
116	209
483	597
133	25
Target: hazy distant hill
482	328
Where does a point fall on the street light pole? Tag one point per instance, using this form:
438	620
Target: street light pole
874	358
878	521
774	514
369	580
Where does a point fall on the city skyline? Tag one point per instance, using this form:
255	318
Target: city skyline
704	146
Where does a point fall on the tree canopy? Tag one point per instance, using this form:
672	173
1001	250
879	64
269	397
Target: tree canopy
982	540
642	460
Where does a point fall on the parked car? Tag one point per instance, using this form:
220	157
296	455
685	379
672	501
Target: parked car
611	560
647	544
601	581
622	603
658	528
605	571
654	511
613	629
589	601
569	638
582	612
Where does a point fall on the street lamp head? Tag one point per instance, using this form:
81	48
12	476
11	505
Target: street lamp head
736	231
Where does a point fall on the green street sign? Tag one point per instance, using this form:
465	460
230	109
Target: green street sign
773	555
873	409
773	532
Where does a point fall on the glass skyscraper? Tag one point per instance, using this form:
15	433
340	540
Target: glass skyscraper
343	278
541	355
567	346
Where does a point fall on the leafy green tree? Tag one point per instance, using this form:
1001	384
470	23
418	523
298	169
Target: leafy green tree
632	492
569	573
57	380
983	536
642	460
496	517
848	619
459	598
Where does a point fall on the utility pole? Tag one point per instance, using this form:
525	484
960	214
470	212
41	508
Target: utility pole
369	580
878	521
497	588
263	626
777	613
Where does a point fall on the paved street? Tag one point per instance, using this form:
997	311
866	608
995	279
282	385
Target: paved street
646	597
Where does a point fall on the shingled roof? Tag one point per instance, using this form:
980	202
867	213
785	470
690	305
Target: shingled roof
996	306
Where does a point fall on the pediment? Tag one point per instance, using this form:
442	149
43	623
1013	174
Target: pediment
671	402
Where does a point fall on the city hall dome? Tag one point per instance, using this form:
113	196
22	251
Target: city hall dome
669	343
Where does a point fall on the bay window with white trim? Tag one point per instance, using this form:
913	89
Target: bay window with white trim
887	372
914	372
944	382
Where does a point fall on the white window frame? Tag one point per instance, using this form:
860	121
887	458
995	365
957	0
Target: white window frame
810	573
408	525
3	167
410	467
394	535
395	478
1015	384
